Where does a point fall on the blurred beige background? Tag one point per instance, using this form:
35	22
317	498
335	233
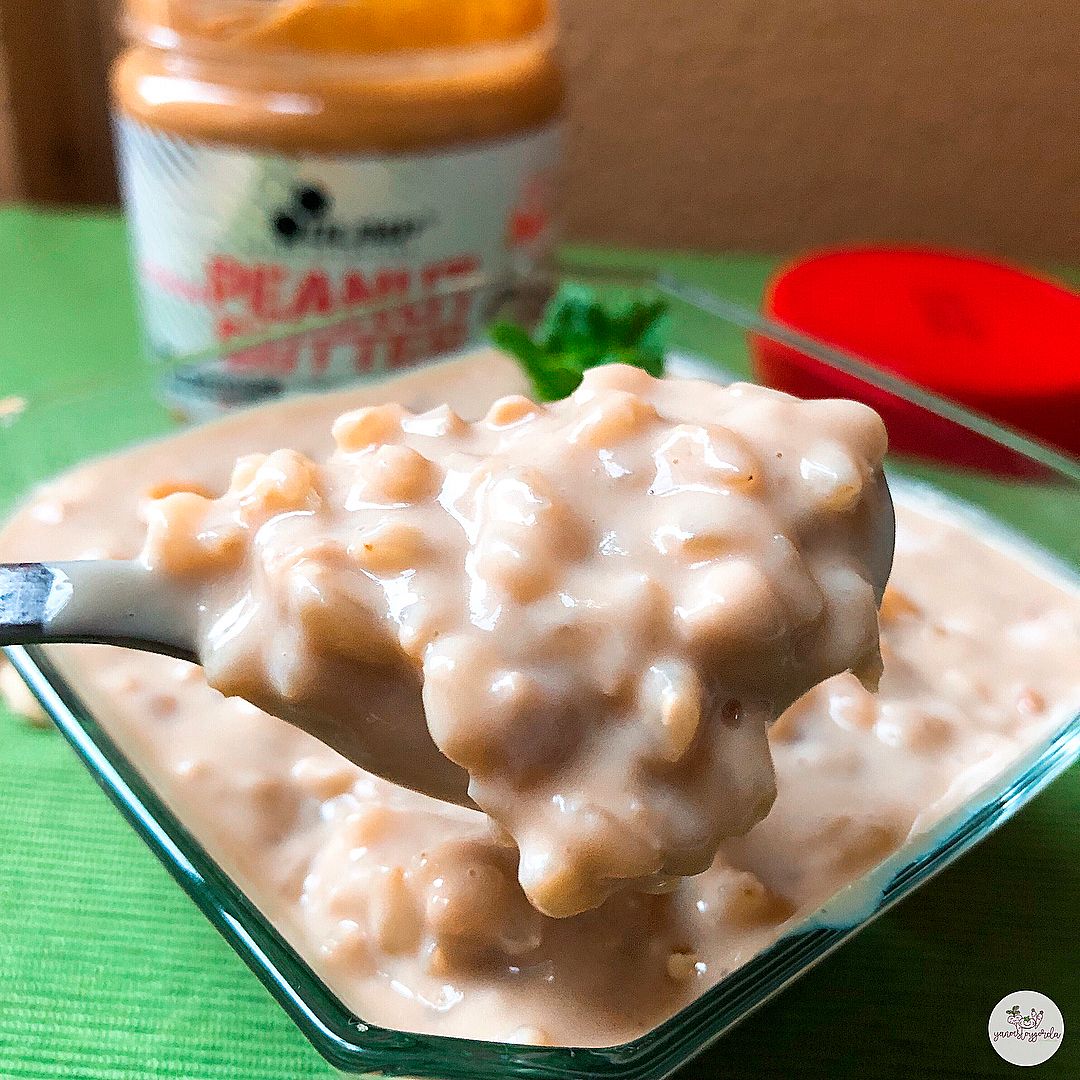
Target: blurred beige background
713	124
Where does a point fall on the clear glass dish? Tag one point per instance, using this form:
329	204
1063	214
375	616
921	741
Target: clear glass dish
1040	507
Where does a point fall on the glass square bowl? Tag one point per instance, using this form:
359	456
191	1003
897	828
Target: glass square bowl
1039	504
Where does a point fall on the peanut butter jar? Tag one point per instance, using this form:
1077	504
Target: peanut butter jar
289	161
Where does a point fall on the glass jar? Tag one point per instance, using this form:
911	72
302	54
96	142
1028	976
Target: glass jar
291	161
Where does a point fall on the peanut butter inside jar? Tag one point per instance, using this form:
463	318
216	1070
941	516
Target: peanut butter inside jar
323	76
287	161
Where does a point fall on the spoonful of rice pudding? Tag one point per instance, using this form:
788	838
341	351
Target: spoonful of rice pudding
580	617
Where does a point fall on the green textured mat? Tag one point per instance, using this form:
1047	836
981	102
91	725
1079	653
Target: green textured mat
108	971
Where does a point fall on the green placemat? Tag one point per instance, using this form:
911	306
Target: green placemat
107	971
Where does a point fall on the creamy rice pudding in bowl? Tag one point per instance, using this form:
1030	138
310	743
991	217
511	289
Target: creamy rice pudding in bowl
369	900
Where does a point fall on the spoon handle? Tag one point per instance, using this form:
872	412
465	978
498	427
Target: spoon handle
26	598
96	602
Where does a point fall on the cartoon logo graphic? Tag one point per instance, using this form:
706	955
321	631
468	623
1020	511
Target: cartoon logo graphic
1024	1023
1026	1028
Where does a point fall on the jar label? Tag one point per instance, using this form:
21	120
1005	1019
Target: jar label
232	243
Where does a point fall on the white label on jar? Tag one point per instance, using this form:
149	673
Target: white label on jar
229	243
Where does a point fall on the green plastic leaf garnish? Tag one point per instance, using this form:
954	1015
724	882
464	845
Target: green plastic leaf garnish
580	331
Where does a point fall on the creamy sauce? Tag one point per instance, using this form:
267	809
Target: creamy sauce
606	600
410	909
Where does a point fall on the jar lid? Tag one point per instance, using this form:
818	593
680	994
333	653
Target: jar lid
987	335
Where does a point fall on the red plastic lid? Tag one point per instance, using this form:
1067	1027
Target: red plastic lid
985	334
